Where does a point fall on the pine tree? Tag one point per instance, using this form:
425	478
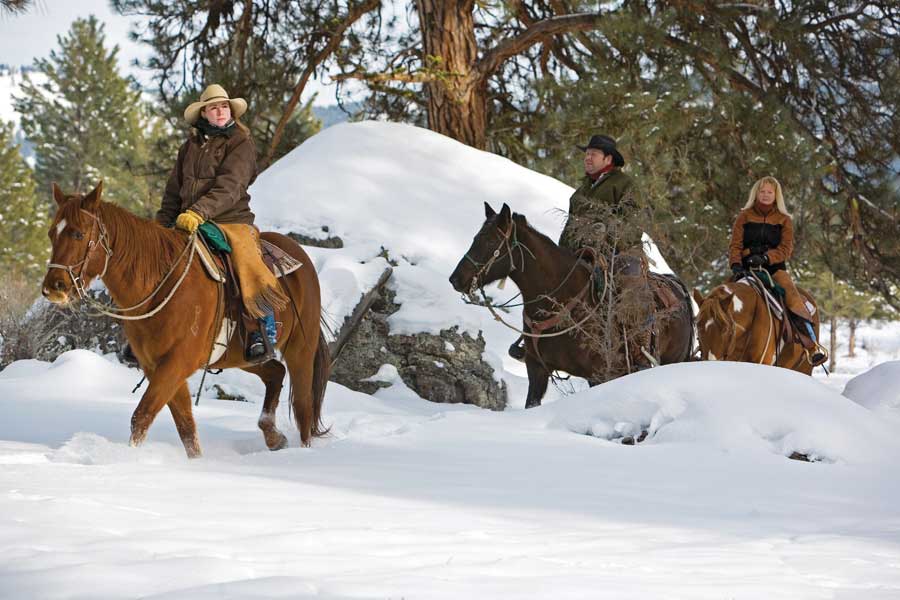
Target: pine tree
86	121
24	245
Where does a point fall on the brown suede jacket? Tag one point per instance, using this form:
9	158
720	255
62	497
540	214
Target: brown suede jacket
756	232
211	177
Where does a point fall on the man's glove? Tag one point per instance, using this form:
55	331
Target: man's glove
756	261
189	221
738	271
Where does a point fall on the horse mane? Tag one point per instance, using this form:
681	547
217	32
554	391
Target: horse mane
712	307
520	221
147	247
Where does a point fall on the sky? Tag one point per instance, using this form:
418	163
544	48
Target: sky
33	34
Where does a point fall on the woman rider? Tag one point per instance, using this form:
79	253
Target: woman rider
215	166
763	238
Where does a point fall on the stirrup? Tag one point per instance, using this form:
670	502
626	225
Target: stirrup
252	352
820	352
516	351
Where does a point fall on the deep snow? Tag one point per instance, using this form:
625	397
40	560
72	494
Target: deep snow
410	499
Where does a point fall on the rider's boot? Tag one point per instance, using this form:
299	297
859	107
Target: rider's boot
815	352
261	342
517	349
126	355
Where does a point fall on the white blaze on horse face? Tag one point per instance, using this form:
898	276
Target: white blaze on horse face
60	226
738	305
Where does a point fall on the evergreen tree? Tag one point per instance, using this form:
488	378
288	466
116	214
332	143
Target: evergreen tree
86	121
23	225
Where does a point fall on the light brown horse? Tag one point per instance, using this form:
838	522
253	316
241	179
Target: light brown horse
96	239
734	323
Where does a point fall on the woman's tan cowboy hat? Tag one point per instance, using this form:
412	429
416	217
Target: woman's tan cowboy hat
212	94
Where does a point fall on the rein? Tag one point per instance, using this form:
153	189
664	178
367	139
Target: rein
510	241
108	309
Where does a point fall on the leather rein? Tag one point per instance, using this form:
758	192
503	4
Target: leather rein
103	242
508	243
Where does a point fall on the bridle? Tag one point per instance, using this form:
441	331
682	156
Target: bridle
102	241
510	241
108	309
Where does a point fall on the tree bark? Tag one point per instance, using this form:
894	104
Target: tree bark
832	346
456	79
851	343
457	97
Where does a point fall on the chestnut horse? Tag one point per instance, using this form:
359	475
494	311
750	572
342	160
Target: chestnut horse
172	332
549	277
735	323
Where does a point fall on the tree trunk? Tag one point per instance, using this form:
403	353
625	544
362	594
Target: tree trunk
851	343
832	346
457	95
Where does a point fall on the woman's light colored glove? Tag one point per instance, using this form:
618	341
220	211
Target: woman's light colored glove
189	221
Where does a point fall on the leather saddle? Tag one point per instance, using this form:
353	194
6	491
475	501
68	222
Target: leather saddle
217	264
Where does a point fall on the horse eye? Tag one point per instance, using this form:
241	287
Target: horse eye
77	235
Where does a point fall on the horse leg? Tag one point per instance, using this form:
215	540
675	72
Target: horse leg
180	407
164	381
300	363
538	378
272	374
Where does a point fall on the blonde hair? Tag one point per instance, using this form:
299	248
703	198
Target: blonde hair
779	197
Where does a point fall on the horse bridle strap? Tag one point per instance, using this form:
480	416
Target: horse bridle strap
102	240
505	237
556	319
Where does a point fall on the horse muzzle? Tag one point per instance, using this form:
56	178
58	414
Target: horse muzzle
461	281
56	291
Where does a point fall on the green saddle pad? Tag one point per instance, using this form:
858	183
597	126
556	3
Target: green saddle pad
769	282
214	237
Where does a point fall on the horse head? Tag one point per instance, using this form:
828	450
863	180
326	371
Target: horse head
490	256
720	325
76	233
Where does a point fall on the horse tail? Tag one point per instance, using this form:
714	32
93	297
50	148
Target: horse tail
321	371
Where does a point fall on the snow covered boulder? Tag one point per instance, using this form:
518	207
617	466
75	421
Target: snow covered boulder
736	407
878	389
375	192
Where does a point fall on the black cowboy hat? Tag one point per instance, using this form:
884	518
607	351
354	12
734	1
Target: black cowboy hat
607	145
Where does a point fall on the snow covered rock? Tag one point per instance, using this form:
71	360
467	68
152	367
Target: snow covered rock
878	389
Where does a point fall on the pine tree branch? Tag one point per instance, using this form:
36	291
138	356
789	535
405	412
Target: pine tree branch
334	42
539	31
421	76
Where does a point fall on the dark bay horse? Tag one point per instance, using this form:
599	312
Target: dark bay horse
735	323
96	239
548	277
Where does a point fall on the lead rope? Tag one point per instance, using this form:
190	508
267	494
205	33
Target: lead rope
101	308
215	336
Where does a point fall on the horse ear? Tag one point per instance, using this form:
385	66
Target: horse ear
58	194
698	297
505	213
92	200
488	211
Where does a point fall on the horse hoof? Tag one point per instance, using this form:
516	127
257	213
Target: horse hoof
280	444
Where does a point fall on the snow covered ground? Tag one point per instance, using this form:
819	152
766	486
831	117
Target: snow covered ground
410	499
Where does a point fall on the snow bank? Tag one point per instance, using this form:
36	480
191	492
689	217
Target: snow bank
734	407
877	389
